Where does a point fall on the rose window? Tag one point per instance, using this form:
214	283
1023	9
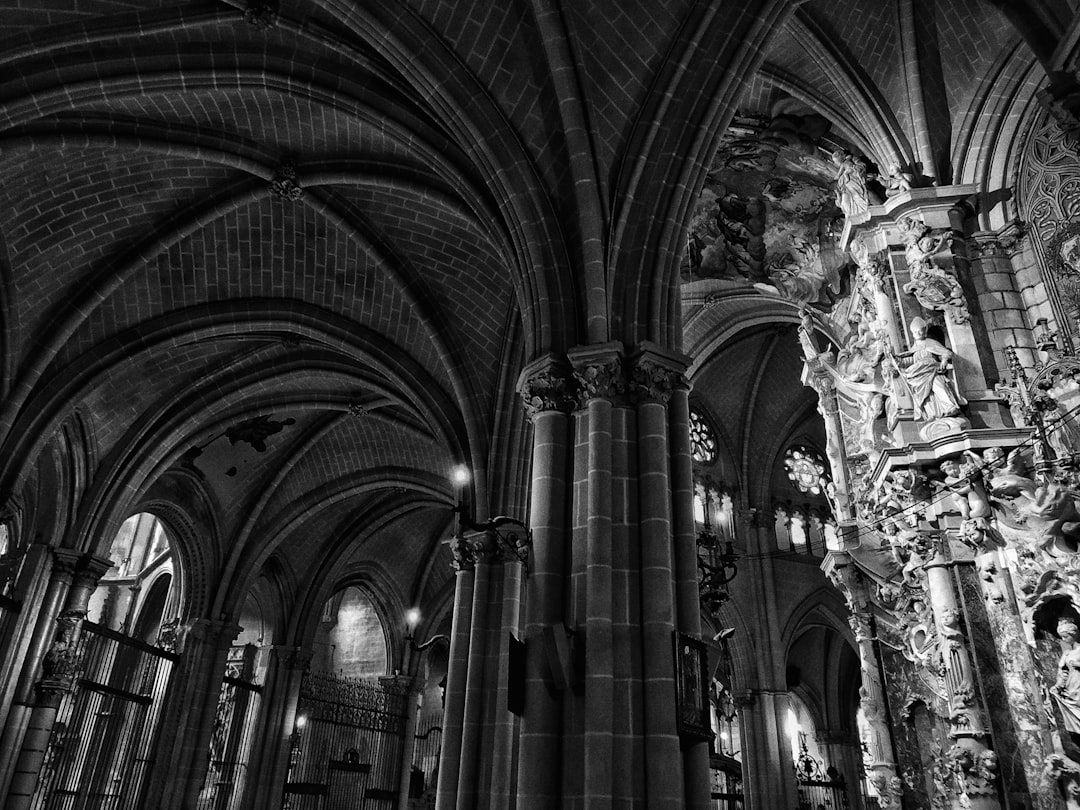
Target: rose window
702	439
806	469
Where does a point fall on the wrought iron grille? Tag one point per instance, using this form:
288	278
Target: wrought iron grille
230	744
819	789
426	758
99	752
725	784
348	751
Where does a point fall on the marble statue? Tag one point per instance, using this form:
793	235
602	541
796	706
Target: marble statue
1067	688
965	482
896	181
923	367
851	195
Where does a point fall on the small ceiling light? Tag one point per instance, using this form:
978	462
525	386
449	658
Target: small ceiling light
412	619
461	474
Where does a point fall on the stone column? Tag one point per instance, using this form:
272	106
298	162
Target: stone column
277	719
187	718
456	676
545	388
411	686
970	756
841	751
768	775
39	588
818	378
59	667
688	599
503	725
611	586
484	773
1020	687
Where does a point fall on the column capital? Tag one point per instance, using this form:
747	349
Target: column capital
598	371
464	556
72	566
546	385
1004	243
655	372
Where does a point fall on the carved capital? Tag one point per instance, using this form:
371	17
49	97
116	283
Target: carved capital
546	386
601	380
463	553
598	372
1000	244
655	374
293	659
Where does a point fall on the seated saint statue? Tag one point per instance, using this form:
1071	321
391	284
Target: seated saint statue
923	367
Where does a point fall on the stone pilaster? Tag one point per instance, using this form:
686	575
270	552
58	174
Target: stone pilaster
1003	307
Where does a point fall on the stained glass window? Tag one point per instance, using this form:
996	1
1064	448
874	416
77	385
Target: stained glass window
702	439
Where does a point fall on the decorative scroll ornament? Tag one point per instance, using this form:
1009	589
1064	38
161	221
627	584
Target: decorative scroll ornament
932	286
546	390
285	186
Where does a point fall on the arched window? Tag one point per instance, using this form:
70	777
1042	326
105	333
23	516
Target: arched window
138	594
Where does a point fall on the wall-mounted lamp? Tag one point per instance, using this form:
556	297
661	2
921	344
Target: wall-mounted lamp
412	621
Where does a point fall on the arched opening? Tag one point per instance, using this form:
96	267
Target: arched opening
350	639
137	595
351	717
126	650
